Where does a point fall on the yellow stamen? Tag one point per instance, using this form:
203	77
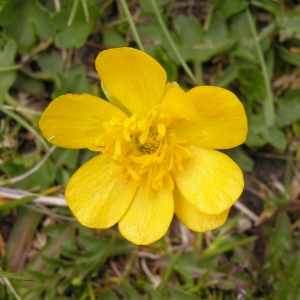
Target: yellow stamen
143	147
126	134
161	129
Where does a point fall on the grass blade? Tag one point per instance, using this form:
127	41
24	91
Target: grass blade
268	105
17	203
14	276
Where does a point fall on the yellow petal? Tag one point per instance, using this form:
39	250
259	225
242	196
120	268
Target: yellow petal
133	77
193	218
170	85
114	101
75	121
97	199
147	218
223	119
178	105
211	181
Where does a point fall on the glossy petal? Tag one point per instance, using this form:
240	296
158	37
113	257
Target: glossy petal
96	198
178	105
170	85
147	218
114	101
195	219
211	181
133	77
75	121
223	119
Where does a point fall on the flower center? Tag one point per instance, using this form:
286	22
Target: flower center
143	148
151	145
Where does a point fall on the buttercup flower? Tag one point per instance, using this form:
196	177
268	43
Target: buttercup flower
156	149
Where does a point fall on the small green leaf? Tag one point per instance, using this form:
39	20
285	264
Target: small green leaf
241	158
151	34
73	80
77	33
108	295
148	8
113	39
27	84
77	81
288	24
188	39
8	51
229	75
269	6
254	139
232	7
65	157
276	138
50	63
24	20
288	110
252	83
240	27
245	47
74	36
195	44
256	128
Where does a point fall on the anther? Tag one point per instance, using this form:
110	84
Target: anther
118	148
126	134
161	128
127	122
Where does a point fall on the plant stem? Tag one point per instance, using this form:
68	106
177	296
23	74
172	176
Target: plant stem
86	11
132	25
73	12
173	46
10	68
268	104
198	72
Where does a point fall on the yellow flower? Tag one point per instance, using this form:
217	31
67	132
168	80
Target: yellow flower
157	144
